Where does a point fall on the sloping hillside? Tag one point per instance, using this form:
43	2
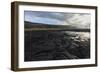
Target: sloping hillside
40	26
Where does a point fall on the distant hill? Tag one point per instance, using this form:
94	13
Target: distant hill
41	25
33	26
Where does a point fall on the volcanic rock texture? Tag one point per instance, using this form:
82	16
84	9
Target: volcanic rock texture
56	45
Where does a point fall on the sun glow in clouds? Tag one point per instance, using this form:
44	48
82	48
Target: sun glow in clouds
78	20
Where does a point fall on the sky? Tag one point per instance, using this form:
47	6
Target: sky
80	20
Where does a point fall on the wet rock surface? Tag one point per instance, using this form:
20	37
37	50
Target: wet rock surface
55	45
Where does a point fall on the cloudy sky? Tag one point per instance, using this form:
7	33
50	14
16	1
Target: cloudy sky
80	20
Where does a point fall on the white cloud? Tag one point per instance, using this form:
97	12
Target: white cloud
78	20
55	18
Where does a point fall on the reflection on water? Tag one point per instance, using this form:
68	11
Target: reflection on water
56	45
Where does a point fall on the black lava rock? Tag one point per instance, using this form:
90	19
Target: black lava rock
54	45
